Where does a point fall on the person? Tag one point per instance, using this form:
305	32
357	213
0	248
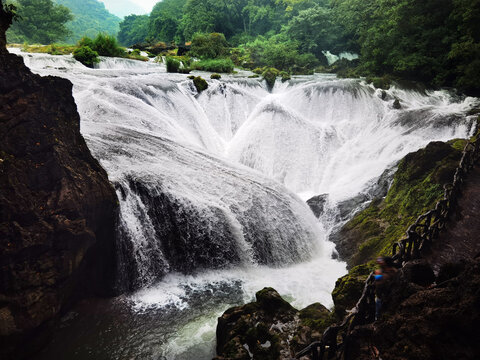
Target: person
383	277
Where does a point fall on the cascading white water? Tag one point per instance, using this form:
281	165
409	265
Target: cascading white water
210	184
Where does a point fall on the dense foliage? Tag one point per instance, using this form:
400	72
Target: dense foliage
40	21
433	41
104	45
47	21
133	29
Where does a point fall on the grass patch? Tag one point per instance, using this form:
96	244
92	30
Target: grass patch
214	65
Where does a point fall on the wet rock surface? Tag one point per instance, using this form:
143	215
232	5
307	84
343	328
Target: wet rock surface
269	328
57	208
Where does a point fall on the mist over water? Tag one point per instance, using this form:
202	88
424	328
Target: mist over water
212	188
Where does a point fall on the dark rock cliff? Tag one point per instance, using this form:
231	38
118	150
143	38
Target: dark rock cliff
57	208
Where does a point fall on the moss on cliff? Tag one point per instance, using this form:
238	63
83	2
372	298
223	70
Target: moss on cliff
417	186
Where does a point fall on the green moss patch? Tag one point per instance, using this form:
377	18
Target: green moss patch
200	83
417	186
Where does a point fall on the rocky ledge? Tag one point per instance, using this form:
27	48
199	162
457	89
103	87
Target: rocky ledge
57	207
269	328
426	322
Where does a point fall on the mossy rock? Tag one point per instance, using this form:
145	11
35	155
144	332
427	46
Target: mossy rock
215	76
256	76
270	300
200	83
253	324
191	77
184	70
317	317
270	76
349	288
285	76
258	71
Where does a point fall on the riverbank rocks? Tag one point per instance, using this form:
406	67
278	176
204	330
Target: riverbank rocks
269	328
57	209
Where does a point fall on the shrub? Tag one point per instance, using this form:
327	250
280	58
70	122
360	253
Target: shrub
54	50
241	57
86	56
209	46
200	83
85	41
172	65
215	65
104	45
215	76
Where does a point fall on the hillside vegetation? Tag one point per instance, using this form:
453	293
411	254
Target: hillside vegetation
47	21
89	18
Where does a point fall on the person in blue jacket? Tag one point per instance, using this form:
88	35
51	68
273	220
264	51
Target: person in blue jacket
383	276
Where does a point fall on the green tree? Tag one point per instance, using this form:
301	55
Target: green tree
42	21
165	21
133	29
465	48
199	16
8	13
209	46
314	29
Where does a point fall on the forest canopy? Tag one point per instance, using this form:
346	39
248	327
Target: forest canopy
433	41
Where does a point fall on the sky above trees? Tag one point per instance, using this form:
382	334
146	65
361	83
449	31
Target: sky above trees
123	8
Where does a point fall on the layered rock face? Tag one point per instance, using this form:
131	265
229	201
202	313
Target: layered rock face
57	208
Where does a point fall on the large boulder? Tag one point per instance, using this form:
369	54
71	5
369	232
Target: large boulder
57	208
269	328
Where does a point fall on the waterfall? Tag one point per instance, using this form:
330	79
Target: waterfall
212	186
